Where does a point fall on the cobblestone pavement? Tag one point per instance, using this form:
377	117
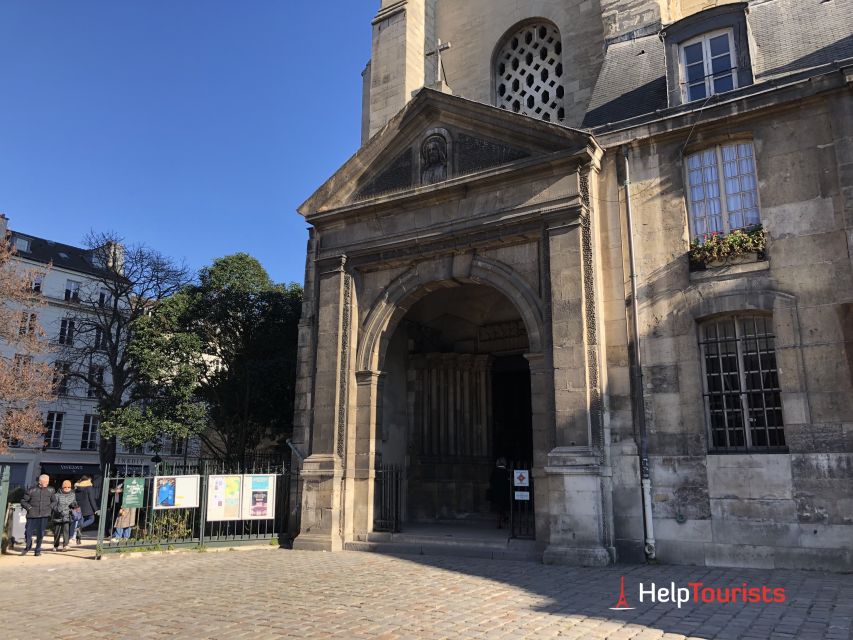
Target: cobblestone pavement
268	593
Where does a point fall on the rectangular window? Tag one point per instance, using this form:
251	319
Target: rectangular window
53	430
96	381
722	189
72	290
38	281
21	364
28	325
61	377
98	340
89	441
104	298
743	407
176	446
708	65
22	245
66	332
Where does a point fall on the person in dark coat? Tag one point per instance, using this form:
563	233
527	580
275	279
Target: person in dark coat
499	491
39	503
85	495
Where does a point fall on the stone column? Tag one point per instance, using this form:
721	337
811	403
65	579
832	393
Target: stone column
362	474
322	471
573	471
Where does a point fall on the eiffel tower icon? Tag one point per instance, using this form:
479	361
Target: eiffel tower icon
622	603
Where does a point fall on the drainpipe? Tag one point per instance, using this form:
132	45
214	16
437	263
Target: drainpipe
637	376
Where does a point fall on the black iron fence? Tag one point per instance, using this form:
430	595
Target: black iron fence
203	503
389	498
522	515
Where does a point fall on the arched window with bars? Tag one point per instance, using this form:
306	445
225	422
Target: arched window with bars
528	72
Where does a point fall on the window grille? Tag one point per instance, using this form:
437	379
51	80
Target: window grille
743	407
529	71
722	189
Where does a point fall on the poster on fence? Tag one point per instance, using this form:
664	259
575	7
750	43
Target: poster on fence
258	496
175	492
134	493
223	497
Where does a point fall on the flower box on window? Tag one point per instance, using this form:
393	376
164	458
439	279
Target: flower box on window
716	249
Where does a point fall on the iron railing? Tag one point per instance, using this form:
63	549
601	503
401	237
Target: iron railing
165	528
389	494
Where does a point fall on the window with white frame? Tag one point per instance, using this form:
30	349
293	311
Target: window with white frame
38	281
61	377
53	430
72	290
96	381
89	440
743	407
708	65
66	332
22	245
722	189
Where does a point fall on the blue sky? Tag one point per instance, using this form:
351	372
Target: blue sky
196	127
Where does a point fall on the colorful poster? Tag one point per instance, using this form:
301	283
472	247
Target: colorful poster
258	496
133	493
223	497
175	492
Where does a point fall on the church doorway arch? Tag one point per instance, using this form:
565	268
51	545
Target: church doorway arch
455	400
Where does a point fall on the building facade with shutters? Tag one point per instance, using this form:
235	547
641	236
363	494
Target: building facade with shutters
608	241
66	279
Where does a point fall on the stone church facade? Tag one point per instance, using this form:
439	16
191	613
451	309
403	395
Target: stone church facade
504	271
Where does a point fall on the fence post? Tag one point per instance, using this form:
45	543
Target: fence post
203	515
5	471
102	518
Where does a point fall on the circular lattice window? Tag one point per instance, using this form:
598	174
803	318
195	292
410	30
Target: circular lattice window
529	71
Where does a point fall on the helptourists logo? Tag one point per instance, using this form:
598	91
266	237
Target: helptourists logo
699	593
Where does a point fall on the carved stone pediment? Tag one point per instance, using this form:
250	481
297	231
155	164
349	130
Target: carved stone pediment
436	140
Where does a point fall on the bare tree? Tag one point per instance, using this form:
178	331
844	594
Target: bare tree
25	379
125	283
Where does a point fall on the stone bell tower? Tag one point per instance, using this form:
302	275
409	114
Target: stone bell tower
398	59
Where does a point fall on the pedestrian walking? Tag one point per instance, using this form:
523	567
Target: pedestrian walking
38	502
65	501
88	504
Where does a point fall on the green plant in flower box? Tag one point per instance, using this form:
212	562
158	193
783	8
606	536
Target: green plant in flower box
716	247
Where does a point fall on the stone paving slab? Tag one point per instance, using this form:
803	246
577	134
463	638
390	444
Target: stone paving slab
272	593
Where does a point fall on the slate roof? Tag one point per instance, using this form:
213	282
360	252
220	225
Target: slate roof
789	37
60	255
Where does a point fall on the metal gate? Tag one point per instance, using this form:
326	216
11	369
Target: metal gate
389	502
522	515
151	523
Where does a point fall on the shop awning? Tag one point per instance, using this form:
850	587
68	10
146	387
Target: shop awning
70	469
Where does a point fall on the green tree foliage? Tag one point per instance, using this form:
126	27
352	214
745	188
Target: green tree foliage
221	353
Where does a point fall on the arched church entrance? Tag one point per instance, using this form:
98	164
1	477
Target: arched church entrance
456	401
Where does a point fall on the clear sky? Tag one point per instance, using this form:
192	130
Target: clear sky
194	126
